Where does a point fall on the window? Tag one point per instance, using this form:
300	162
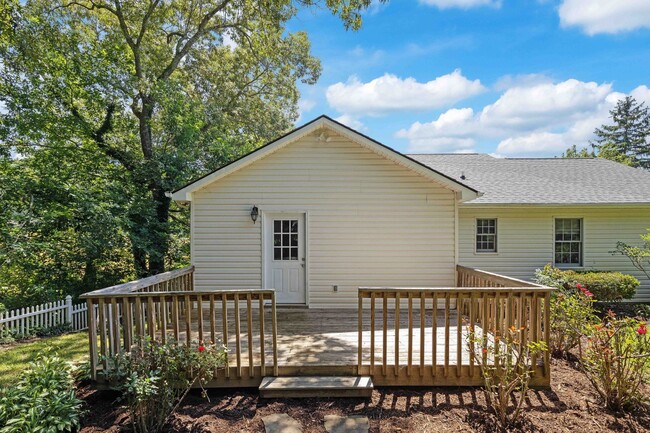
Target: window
486	235
568	241
285	240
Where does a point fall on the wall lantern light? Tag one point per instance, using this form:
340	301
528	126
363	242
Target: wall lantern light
255	212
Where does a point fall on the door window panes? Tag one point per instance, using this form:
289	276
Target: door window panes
285	240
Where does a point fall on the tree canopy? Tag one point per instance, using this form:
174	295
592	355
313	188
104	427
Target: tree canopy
108	104
625	140
629	133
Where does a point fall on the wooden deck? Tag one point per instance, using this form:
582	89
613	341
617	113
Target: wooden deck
397	336
329	337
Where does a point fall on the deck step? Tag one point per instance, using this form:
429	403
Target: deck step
316	386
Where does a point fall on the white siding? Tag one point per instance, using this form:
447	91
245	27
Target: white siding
370	222
526	241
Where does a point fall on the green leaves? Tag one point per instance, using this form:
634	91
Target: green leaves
154	377
43	400
616	360
639	255
111	104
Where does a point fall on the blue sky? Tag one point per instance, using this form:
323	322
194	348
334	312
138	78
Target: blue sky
509	77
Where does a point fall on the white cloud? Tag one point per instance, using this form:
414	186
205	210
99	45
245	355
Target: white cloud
461	4
535	119
605	16
521	80
544	104
352	122
641	94
390	93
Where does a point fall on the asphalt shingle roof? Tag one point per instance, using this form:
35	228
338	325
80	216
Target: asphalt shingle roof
544	180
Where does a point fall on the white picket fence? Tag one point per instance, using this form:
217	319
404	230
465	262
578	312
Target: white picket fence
22	320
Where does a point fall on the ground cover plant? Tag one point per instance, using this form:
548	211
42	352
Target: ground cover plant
42	400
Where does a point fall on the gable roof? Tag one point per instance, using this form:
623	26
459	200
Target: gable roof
544	181
466	192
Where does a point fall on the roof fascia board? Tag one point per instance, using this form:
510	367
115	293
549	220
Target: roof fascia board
506	205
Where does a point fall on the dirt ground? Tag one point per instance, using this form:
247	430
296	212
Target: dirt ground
570	406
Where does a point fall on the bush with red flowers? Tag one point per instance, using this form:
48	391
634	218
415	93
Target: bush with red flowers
616	360
603	285
154	378
571	315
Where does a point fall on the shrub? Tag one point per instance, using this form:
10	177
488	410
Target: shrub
43	400
606	286
155	377
571	314
6	336
507	377
617	360
52	331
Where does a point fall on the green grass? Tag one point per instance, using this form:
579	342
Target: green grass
14	359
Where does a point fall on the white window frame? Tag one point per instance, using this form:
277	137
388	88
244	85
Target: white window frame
496	236
582	243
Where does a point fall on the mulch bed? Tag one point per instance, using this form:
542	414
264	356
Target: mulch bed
571	405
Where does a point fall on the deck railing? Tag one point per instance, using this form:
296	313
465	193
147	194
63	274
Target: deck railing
419	336
165	308
470	277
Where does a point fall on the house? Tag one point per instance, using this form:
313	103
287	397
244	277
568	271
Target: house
325	209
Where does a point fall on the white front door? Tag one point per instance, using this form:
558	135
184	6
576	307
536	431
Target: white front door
284	256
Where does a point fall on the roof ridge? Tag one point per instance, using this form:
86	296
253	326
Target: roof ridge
552	158
447	153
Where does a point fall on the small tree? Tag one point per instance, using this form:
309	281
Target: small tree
574	152
638	255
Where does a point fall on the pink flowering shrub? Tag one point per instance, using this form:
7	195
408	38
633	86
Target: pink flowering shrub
616	360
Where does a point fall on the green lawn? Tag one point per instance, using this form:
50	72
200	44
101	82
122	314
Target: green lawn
13	360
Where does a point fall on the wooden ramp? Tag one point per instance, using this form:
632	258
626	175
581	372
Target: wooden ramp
316	386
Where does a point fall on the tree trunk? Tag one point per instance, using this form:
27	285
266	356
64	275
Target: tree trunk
157	230
139	260
160	232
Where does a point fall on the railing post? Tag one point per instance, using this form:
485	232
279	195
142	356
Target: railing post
360	330
92	338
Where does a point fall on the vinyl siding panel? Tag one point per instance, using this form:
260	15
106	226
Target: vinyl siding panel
525	239
370	222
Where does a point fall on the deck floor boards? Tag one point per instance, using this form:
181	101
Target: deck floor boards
310	337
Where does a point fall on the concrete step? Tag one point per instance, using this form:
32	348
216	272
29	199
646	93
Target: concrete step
316	386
